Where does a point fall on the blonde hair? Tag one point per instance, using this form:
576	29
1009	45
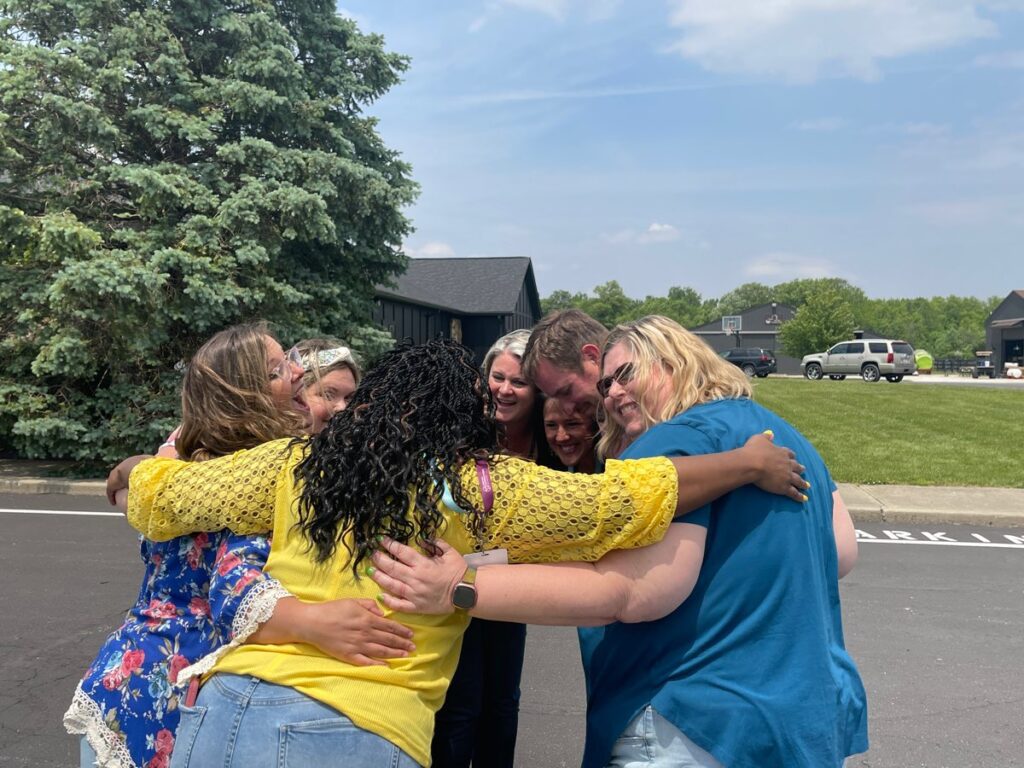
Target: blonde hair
559	339
323	356
226	402
698	373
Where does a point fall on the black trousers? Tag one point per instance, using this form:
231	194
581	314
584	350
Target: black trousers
478	723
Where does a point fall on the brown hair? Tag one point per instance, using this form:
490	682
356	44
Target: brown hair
559	337
226	403
698	373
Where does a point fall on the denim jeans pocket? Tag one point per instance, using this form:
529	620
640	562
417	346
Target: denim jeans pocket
323	742
633	747
188	729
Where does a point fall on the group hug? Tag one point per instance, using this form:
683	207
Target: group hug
340	564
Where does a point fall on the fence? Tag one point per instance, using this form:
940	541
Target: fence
961	366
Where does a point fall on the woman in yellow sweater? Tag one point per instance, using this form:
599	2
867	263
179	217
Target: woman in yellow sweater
417	431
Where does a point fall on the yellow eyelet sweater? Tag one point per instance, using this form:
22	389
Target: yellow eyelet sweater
539	515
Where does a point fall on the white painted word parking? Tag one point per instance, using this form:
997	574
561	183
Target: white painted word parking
944	538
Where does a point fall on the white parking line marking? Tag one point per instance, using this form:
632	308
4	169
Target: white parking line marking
940	543
60	512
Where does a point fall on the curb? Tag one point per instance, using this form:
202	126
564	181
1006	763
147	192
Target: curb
933	516
37	485
997	507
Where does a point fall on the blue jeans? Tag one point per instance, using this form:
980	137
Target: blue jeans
86	754
653	742
244	721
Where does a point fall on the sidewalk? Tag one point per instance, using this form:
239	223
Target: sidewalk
1003	507
1000	507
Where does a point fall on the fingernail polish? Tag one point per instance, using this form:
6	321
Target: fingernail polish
370	570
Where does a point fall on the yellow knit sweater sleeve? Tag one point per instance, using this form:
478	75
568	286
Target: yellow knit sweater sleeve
169	498
542	515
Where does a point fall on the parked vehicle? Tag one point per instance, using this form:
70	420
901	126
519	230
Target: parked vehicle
871	359
753	361
983	365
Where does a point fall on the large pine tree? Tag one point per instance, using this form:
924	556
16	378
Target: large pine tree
169	167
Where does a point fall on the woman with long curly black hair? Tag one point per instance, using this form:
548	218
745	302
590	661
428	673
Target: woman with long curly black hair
408	431
412	458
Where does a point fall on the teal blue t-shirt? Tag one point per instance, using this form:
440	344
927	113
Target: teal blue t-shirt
752	666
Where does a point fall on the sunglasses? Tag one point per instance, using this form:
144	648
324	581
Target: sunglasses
282	370
623	375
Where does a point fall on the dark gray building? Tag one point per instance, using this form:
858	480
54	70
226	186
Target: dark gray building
472	300
1004	331
756	327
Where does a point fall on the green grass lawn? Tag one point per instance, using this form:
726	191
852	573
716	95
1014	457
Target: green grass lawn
907	433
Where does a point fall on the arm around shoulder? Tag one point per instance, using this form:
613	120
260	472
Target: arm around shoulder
169	498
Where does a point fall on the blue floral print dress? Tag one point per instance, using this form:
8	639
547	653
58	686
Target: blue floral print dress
199	592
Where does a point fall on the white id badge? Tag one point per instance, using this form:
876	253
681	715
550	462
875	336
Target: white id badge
487	557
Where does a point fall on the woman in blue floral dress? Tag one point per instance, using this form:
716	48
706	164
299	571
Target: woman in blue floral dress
204	591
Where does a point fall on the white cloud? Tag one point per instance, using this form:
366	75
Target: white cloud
601	10
1001	60
619	237
566	94
998	152
924	129
659	233
970	211
781	266
556	9
655	233
820	125
801	40
431	250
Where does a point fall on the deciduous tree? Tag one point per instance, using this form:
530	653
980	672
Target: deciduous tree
824	319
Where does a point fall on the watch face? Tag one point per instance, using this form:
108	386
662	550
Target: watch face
464	596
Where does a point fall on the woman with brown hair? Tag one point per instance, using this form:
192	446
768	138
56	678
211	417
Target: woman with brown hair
201	591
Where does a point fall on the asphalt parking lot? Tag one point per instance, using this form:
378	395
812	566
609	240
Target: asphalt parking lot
932	616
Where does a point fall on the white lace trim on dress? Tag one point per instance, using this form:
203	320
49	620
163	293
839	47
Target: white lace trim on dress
85	718
257	607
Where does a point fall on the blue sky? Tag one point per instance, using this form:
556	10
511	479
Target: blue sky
709	143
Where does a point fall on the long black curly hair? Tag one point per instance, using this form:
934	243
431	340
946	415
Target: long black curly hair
415	419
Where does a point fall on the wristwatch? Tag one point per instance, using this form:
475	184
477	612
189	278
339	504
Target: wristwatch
464	594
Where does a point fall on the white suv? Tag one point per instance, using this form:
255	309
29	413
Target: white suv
871	359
